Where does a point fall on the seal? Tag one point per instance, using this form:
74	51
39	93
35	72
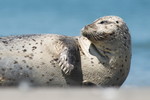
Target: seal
101	56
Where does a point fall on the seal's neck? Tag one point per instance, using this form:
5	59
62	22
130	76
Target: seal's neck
85	45
90	49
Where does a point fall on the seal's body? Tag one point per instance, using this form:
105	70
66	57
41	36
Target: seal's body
100	57
34	59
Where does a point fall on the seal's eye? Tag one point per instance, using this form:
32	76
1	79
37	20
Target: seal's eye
102	22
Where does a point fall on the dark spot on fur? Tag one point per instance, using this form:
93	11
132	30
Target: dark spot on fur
19	37
3	69
10	68
13	80
51	79
43	75
116	64
112	33
43	63
117	22
15	62
41	52
31	54
28	56
113	84
66	59
9	79
33	39
51	61
106	52
125	44
125	37
34	47
30	68
37	67
5	42
21	68
24	50
24	61
41	42
56	59
117	79
22	46
108	77
3	74
111	68
27	66
92	62
106	27
127	68
47	82
37	43
29	43
31	81
123	74
27	75
120	70
122	65
52	74
108	49
103	63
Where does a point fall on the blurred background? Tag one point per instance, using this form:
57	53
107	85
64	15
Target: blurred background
67	17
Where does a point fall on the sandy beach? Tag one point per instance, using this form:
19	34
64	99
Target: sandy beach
74	93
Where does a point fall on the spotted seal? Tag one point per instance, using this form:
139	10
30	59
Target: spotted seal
101	56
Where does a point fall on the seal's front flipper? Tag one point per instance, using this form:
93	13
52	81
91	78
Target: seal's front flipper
65	61
69	58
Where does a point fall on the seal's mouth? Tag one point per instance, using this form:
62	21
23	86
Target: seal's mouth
92	34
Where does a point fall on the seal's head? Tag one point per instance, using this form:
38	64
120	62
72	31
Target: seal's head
106	30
